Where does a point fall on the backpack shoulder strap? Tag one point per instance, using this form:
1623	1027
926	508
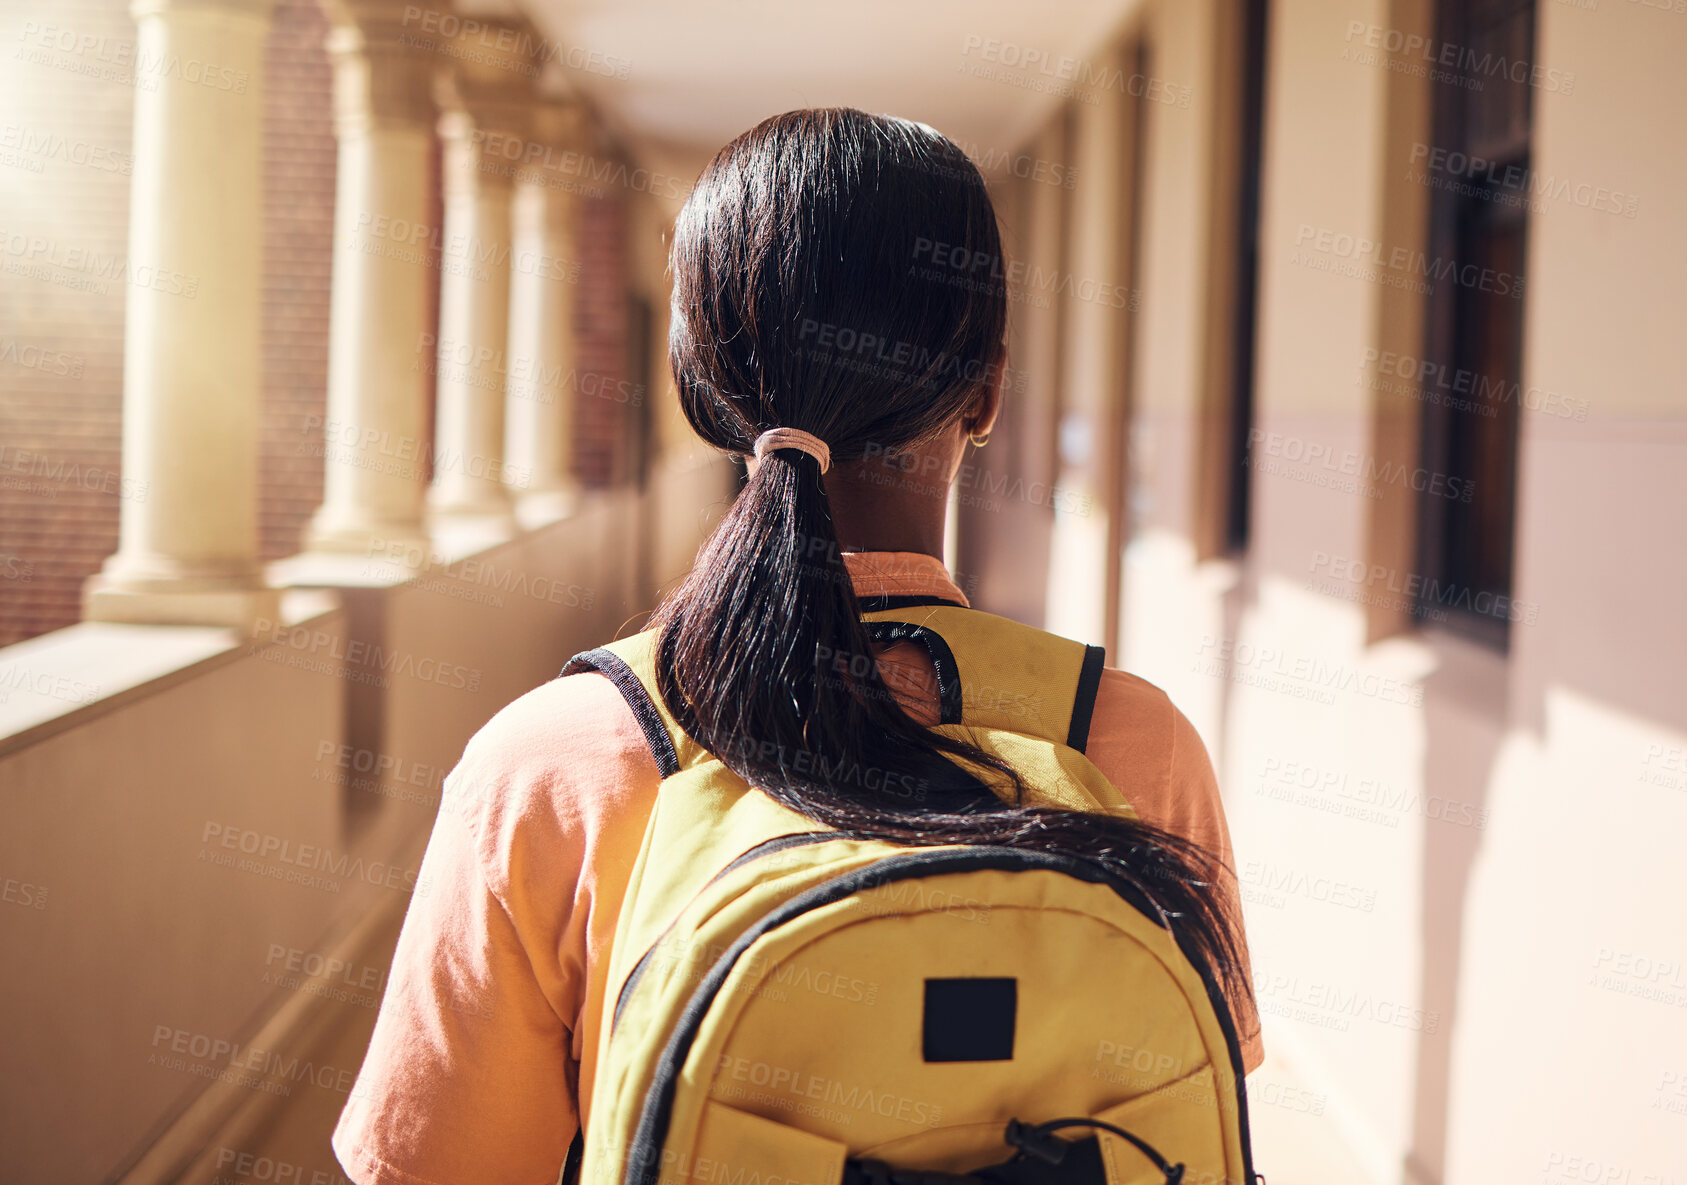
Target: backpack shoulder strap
630	664
993	672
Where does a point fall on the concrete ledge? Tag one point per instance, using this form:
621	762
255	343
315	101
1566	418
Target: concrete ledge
65	678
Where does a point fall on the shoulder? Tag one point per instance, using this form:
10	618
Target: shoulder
557	725
1128	705
553	766
1148	748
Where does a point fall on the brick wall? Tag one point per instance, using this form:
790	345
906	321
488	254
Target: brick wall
65	123
601	421
299	160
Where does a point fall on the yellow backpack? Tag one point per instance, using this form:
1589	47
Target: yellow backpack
794	1008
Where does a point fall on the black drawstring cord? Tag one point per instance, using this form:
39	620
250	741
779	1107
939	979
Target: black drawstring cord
1040	1141
1034	1144
877	1172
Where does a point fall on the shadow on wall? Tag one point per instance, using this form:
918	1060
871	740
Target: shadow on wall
1243	592
1464	711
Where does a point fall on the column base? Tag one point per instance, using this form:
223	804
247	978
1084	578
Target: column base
368	538
538	508
249	610
492	521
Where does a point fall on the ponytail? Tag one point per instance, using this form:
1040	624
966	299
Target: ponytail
819	219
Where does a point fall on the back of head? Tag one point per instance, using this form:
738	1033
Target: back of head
800	299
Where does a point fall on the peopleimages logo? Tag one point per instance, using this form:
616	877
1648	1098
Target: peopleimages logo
73	265
289	966
33	357
1302	676
732	1070
17	677
538	158
268	1068
1024	281
38	146
1523	182
300	859
1084	77
376	768
330	653
1364	799
1325	249
1336	1006
825	341
254	1167
1426	589
1265	883
149	65
1446	61
1022	165
1436	382
1369	475
495	43
1564	1168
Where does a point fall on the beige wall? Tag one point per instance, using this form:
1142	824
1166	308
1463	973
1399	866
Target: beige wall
1497	993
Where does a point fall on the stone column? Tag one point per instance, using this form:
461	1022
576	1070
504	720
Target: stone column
187	550
375	437
487	108
543	363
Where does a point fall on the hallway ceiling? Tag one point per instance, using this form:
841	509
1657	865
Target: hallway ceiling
697	72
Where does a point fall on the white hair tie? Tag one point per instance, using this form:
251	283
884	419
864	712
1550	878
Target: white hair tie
806	442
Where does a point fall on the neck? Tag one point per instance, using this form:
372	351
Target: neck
877	507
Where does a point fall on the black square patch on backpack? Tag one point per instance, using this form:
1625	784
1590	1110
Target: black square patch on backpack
969	1020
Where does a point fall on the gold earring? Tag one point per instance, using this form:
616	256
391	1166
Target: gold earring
977	440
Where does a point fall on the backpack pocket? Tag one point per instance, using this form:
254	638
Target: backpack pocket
734	1145
1181	1115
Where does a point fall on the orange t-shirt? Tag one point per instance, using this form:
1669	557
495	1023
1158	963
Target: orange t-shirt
481	1058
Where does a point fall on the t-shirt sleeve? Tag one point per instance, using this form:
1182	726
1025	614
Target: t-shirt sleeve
467	1076
1198	813
1156	758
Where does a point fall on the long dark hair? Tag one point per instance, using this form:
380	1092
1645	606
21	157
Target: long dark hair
812	233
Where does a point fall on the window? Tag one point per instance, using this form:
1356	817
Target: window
1474	316
1241	411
